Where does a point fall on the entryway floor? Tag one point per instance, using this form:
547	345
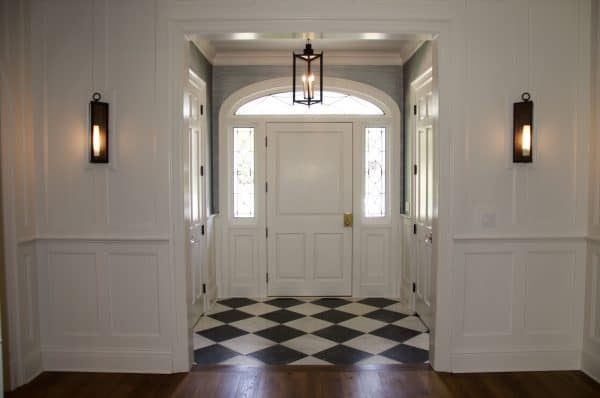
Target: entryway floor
310	331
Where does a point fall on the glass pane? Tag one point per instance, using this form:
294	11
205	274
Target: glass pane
375	172
334	103
243	172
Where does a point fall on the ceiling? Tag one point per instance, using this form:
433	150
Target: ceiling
267	48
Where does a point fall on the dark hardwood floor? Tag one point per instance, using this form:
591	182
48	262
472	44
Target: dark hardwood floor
311	381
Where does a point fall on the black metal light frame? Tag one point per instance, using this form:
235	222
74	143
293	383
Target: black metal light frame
522	117
99	121
308	57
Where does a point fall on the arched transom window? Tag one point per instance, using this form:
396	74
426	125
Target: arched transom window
334	103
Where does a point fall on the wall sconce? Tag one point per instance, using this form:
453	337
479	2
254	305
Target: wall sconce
523	130
310	78
98	130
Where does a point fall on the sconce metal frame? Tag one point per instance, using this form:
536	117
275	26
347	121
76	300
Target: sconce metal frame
99	118
523	116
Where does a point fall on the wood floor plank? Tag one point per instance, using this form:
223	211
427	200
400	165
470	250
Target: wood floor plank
311	381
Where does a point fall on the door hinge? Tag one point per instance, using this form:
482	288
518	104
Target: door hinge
414	287
204	288
414	229
266	141
267	277
415	110
415	169
201	171
202	229
267	232
266	186
202	109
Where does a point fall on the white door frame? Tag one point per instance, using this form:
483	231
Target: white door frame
171	46
252	231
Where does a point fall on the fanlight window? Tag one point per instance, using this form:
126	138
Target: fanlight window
334	103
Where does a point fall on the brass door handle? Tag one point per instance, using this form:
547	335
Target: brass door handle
348	219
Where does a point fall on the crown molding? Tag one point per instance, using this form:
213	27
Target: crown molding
206	48
285	58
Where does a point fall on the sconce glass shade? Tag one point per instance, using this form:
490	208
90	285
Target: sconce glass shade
523	130
307	73
98	130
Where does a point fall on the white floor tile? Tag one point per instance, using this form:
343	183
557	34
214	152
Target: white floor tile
370	343
218	308
201	342
258	309
421	341
309	344
206	323
308	309
253	324
357	308
400	307
247	344
308	324
411	322
363	324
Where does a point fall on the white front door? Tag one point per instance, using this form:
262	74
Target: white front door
309	189
194	150
423	194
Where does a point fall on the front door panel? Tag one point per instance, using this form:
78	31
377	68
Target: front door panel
309	176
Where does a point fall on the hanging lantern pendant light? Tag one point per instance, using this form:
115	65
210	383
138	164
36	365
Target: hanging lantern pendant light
306	67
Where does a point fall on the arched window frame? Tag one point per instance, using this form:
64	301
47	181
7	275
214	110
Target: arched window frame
228	120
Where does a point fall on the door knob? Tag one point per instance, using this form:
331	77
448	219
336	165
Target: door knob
348	219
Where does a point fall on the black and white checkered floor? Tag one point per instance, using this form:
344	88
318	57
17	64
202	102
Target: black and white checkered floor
311	331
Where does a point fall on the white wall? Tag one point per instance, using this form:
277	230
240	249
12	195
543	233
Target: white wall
108	228
591	331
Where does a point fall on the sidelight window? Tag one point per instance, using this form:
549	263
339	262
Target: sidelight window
375	170
243	172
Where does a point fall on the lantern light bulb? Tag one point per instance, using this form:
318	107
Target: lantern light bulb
96	144
526	140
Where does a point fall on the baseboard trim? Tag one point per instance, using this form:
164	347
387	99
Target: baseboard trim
518	361
590	364
54	359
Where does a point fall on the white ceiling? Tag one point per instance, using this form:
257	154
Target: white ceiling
255	48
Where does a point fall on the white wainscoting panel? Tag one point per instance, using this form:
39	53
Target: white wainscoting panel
105	305
244	266
518	304
375	261
591	331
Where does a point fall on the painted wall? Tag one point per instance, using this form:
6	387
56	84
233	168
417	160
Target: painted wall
591	331
414	67
204	69
228	79
513	266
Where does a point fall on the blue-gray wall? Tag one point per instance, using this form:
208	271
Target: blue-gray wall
228	79
416	65
204	69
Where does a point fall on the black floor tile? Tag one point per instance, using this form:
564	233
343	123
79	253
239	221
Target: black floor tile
406	354
378	301
279	333
222	333
213	354
284	302
230	316
342	355
331	302
396	333
385	315
277	355
236	302
334	316
337	333
282	316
